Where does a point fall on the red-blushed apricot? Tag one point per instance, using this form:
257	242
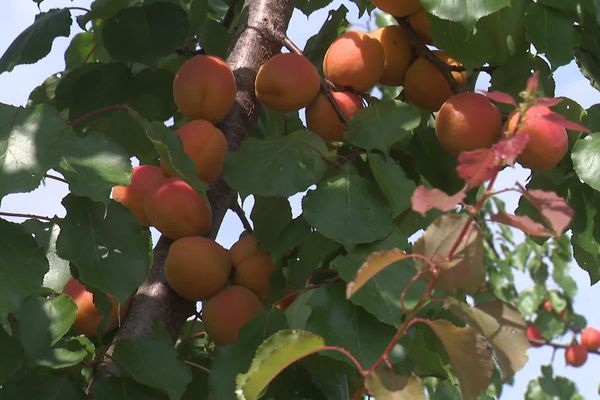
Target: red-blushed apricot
590	338
426	87
177	210
398	54
398	8
243	249
322	119
287	82
87	317
354	60
467	121
535	336
576	354
548	143
206	145
227	311
204	88
253	273
144	179
196	267
420	23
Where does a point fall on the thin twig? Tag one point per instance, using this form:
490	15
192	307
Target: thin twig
56	178
235	207
79	9
28	216
198	366
80	119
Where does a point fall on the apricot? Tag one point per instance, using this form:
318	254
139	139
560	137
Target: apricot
398	54
535	336
243	249
144	179
227	311
196	267
467	121
548	143
590	338
206	145
398	8
204	88
322	119
354	60
253	273
177	210
426	86
87	317
420	23
576	355
287	82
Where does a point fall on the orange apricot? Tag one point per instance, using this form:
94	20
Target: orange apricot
287	82
398	54
576	354
204	88
467	121
177	210
244	248
354	60
144	179
197	267
426	87
253	273
548	143
322	119
206	145
227	311
420	23
398	8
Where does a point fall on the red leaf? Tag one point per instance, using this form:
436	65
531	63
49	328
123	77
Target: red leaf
509	149
523	223
477	166
547	101
555	210
533	83
500	97
424	199
560	120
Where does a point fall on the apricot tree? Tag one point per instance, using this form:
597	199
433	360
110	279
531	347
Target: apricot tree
397	279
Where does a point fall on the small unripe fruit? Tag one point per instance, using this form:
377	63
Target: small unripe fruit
287	82
426	86
206	145
196	267
177	210
253	273
322	119
227	311
590	338
204	88
144	179
535	336
467	121
548	306
420	23
576	355
398	8
354	60
243	249
398	54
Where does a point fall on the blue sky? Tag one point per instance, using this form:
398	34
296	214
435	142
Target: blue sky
15	87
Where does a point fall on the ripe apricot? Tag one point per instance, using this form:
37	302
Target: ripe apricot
576	354
398	54
322	119
206	145
177	210
287	82
424	84
253	273
467	121
535	336
227	311
354	60
144	179
548	143
590	338
420	23
87	317
398	8
204	88
243	249
196	267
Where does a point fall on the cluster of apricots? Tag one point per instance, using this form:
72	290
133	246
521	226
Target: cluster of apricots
576	353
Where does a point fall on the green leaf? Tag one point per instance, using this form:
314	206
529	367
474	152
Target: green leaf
393	182
270	216
465	12
44	384
292	163
12	356
385	384
152	94
511	77
588	54
549	387
145	33
585	239
67	353
273	356
107	245
317	46
348	209
104	9
22	266
35	42
42	322
586	160
31	142
119	388
382	124
311	254
309	6
84	48
93	165
154	363
214	38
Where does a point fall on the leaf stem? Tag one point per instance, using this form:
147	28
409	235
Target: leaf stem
28	216
56	178
82	118
197	366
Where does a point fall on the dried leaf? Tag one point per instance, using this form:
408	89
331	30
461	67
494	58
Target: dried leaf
555	210
500	97
559	119
385	384
509	149
547	101
374	264
424	199
533	83
477	166
523	223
